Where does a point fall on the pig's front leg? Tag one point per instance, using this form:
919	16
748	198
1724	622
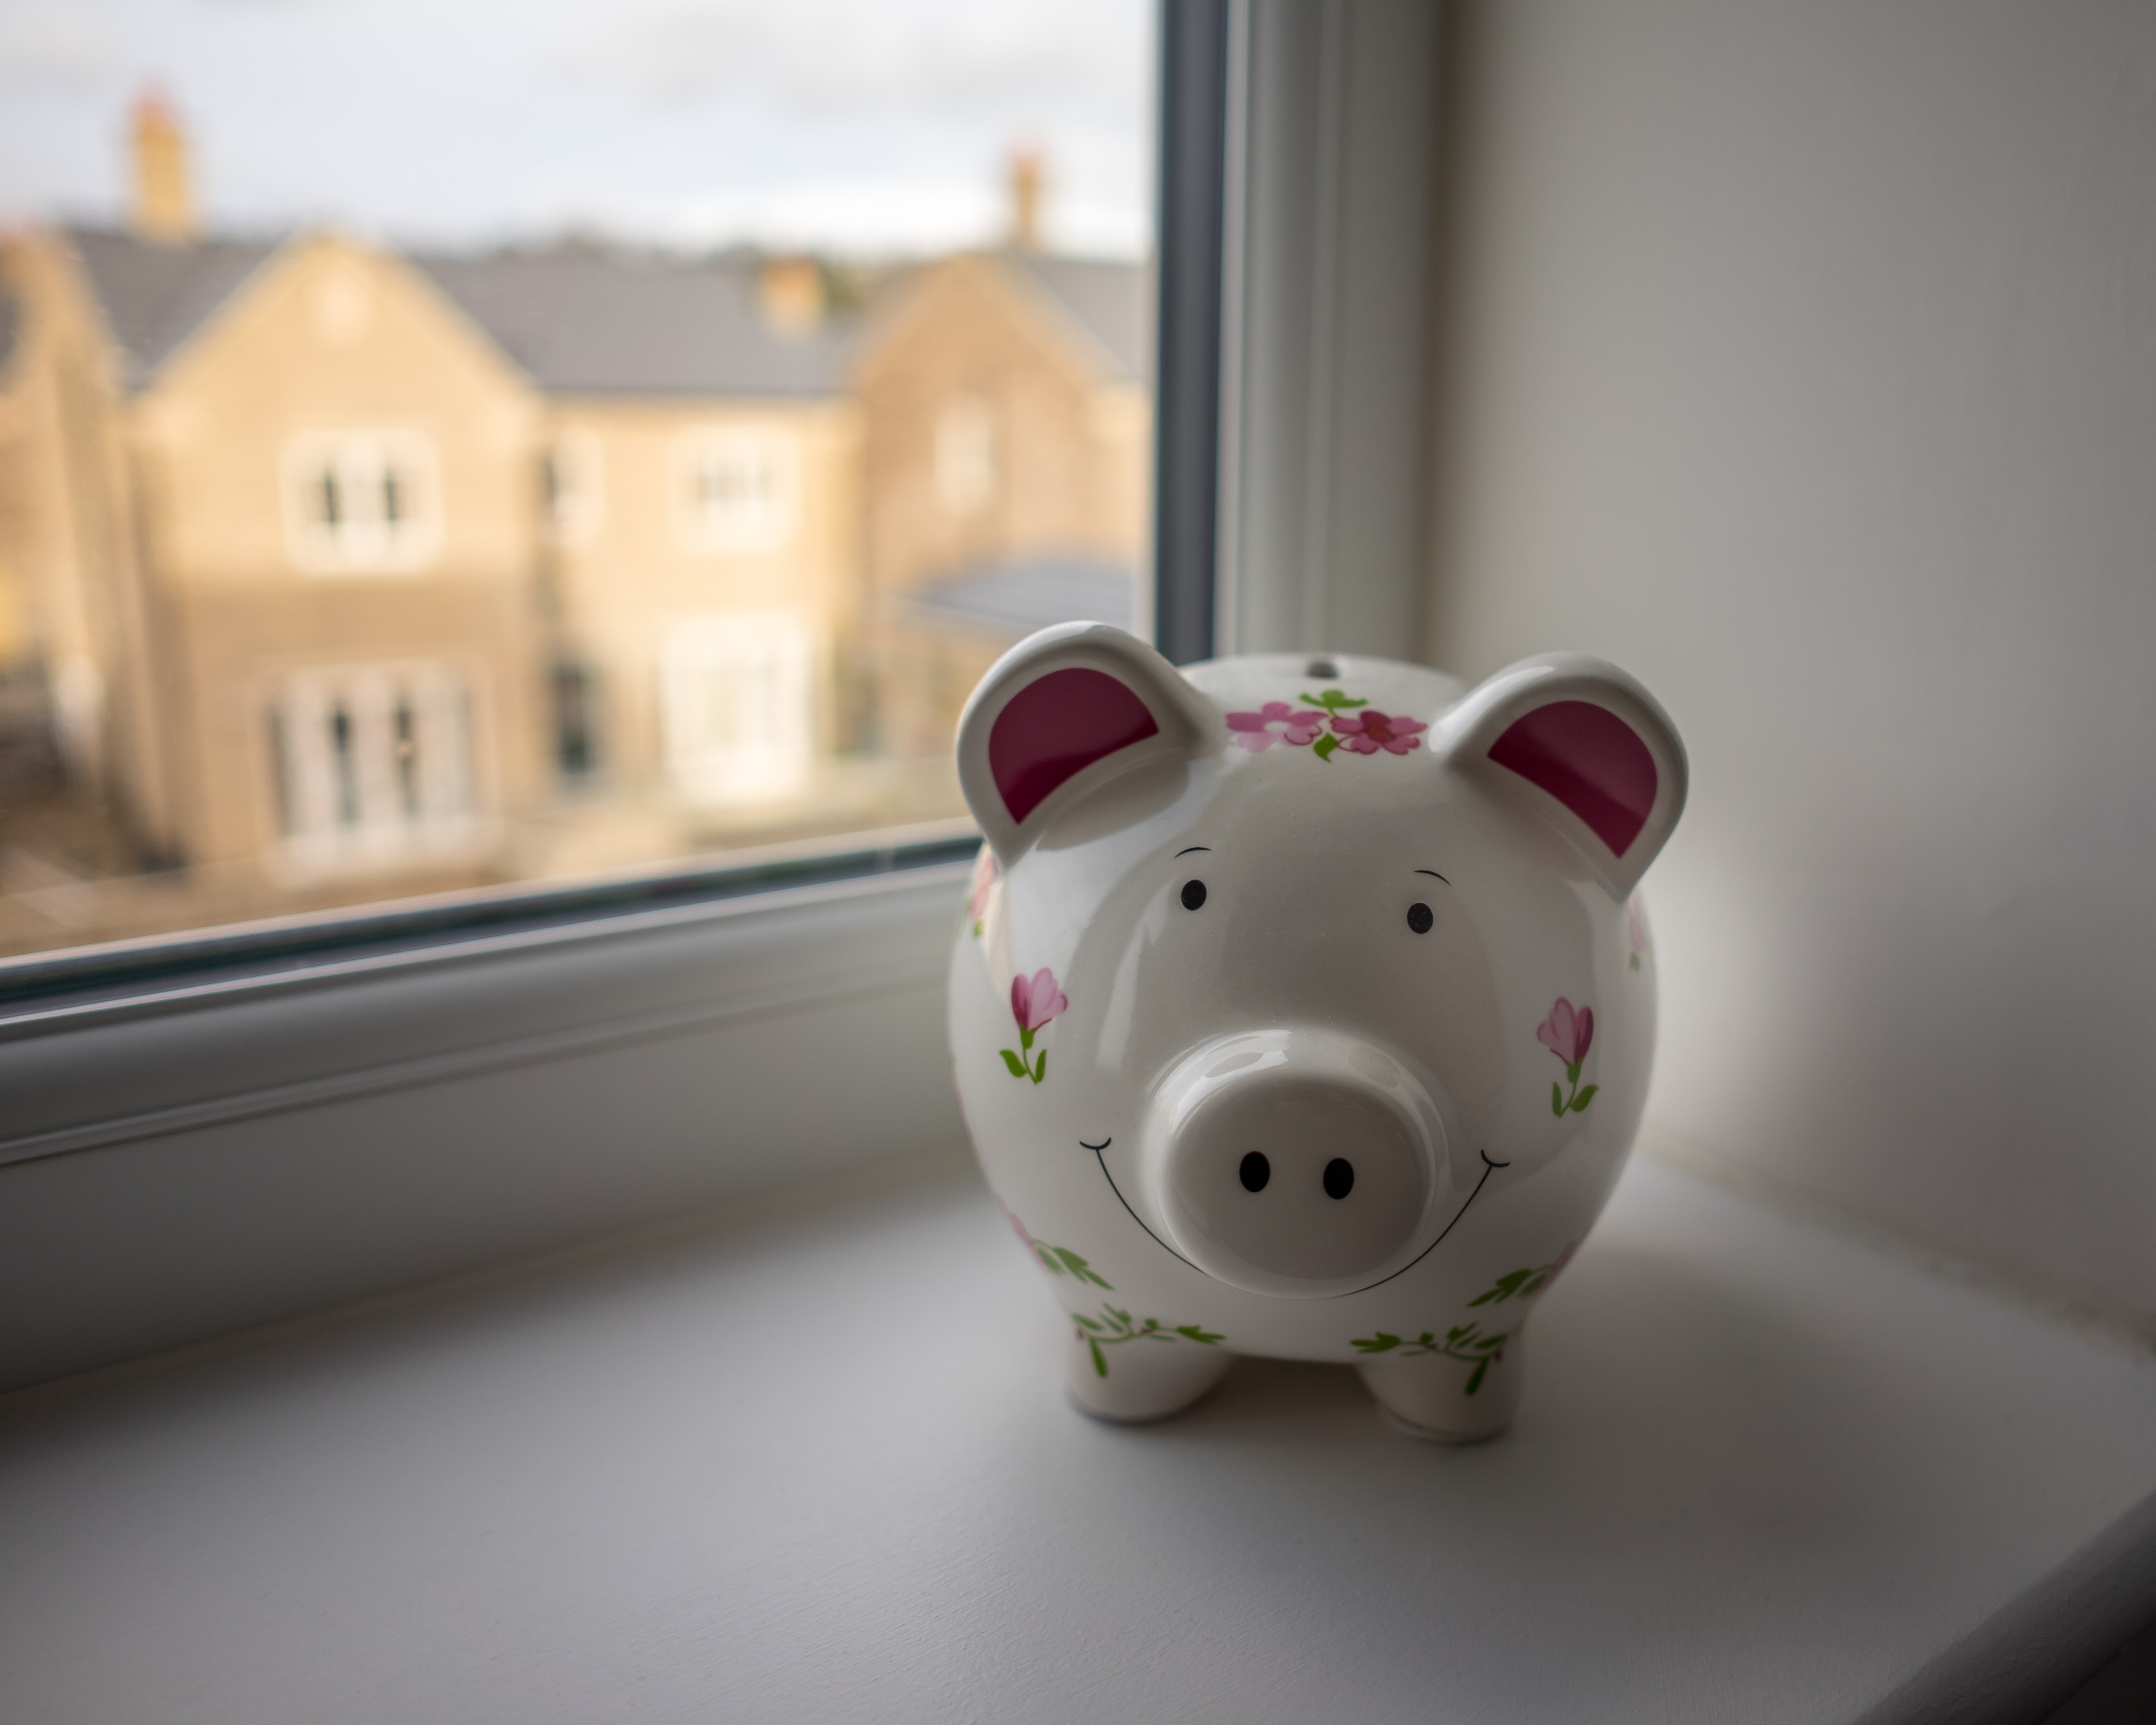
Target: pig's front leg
1132	1369
1448	1400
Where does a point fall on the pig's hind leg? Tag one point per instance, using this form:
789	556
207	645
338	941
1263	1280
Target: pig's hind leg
1429	1396
1143	1378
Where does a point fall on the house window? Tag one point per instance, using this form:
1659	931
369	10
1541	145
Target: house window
361	502
576	690
739	491
966	456
572	487
372	764
738	697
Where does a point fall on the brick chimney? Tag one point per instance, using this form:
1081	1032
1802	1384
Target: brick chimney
1025	176
164	207
791	292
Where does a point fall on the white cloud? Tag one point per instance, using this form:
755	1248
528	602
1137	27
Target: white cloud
860	125
836	55
52	46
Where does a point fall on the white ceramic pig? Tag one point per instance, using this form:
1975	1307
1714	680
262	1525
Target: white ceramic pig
1303	1007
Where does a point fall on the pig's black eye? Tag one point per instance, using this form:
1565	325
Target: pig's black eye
1193	894
1419	918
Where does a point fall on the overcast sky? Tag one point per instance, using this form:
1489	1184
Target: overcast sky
867	127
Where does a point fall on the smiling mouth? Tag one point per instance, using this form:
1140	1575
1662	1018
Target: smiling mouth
1489	1167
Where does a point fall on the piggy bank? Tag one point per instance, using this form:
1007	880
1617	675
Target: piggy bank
1303	1006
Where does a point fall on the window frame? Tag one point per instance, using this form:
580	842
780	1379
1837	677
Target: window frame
231	1128
410	546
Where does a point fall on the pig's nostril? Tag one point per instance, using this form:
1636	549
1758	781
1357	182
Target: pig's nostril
1256	1171
1339	1178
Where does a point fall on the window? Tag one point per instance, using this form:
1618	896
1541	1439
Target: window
966	456
572	486
601	1019
361	502
739	491
576	745
370	766
740	722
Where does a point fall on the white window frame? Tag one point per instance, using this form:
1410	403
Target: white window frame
410	790
575	485
752	674
210	1132
364	541
967	453
708	524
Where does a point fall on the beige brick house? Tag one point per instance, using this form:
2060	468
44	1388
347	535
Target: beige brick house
1006	397
349	573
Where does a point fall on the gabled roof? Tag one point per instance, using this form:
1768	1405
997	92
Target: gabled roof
578	321
584	322
581	321
155	297
1110	302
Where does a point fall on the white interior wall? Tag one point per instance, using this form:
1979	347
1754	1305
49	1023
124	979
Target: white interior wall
1802	359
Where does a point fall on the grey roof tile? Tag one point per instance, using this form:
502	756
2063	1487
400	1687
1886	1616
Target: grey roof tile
155	297
1111	302
585	322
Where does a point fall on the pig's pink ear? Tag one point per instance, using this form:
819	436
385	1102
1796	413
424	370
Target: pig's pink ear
1061	714
1575	743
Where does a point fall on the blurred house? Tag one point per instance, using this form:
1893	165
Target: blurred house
1006	400
327	572
697	591
336	565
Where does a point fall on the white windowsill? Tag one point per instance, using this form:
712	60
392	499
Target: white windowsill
812	1461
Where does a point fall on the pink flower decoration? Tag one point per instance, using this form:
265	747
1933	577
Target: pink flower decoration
984	882
1369	731
1567	1034
1277	721
1036	999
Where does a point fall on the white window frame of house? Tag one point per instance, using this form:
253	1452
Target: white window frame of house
738	698
574	484
965	455
737	487
230	1128
373	768
387	489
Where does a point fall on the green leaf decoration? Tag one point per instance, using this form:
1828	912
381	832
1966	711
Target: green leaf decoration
1636	961
1048	1259
1333	701
1474	1377
1379	1343
1017	1066
1040	1072
1535	1287
1025	1038
1557	1098
1325	745
1580	1102
1114	1327
1572	1072
1078	1267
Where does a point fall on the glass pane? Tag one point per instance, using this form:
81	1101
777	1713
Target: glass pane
570	439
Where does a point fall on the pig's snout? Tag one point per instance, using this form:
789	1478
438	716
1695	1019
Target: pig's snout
1298	1161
